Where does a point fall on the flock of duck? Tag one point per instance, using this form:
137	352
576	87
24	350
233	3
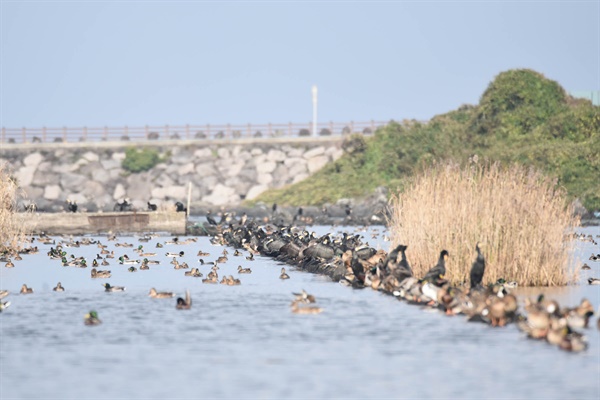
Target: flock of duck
352	262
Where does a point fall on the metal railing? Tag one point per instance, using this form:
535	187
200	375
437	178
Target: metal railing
184	132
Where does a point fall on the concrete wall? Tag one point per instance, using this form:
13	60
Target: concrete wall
220	173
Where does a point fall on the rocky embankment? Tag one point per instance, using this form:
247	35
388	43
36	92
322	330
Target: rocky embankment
221	175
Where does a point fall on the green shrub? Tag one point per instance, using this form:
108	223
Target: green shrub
141	160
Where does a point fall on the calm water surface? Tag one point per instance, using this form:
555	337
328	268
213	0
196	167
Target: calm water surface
243	341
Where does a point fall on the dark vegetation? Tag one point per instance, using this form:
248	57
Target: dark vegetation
521	117
141	160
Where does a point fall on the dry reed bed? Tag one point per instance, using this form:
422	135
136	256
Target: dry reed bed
519	214
12	231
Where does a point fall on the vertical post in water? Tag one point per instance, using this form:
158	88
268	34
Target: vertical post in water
314	101
189	199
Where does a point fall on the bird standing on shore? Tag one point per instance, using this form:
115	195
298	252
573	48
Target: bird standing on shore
477	269
439	270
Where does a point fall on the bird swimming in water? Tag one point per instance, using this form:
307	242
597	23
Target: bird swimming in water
477	269
59	288
109	288
91	318
26	290
184	304
160	295
284	274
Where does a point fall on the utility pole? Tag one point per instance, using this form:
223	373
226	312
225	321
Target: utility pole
314	101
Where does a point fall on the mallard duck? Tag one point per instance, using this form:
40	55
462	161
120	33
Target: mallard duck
221	259
202	254
160	295
502	309
109	288
153	262
284	274
144	267
297	309
211	279
578	317
132	269
4	306
195	272
104	263
250	257
594	281
4	293
184	304
585	267
180	254
9	264
94	263
574	341
100	274
126	260
243	270
237	253
59	288
91	318
26	290
304	297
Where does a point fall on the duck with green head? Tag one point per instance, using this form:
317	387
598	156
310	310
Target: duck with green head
109	288
91	318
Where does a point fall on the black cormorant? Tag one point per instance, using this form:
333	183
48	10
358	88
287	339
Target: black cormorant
478	268
439	270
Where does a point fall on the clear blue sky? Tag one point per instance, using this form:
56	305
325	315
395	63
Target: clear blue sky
76	63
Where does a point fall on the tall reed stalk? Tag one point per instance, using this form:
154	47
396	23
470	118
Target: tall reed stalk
12	231
519	214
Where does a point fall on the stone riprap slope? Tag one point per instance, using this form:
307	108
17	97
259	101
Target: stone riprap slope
220	174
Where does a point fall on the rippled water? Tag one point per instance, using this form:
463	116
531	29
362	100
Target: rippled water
243	341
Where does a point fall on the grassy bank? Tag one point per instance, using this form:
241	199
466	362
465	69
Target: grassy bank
517	214
522	117
12	231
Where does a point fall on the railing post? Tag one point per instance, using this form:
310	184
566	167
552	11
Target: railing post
351	127
372	127
167	130
208	131
187	131
146	131
85	133
64	134
331	127
290	129
228	135
24	135
126	131
105	133
44	134
249	130
270	129
3	134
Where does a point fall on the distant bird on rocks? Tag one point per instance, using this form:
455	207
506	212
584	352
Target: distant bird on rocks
179	207
71	205
152	207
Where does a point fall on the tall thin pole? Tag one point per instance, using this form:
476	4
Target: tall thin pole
314	100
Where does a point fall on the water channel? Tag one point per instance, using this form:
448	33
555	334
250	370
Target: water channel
243	341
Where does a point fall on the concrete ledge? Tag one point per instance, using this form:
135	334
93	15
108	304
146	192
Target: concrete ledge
116	222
